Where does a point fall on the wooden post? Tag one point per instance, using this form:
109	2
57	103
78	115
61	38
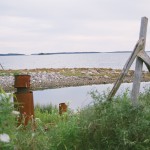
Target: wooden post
138	47
1	66
139	64
145	58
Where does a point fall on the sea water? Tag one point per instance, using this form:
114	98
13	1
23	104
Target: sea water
90	60
76	97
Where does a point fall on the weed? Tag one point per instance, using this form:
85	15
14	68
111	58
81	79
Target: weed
104	125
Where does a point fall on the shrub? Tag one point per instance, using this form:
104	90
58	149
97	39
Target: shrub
7	121
117	124
104	125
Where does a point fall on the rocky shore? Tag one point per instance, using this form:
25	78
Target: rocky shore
56	78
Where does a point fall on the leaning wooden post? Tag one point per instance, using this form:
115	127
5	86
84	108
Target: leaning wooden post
139	64
1	66
138	47
145	58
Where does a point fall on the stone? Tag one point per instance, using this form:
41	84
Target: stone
105	76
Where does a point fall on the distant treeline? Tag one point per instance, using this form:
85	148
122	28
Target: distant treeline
57	53
65	53
11	54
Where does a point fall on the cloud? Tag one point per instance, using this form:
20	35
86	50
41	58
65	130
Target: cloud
70	25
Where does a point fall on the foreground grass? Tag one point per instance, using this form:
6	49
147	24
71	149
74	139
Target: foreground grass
105	125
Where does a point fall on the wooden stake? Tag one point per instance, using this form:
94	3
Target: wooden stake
1	66
139	64
145	58
138	47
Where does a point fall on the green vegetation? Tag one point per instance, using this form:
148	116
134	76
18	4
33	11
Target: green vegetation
105	125
9	72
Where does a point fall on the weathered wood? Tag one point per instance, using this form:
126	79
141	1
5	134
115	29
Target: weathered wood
139	64
145	58
1	66
138	47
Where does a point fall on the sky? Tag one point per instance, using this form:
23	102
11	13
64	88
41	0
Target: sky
47	26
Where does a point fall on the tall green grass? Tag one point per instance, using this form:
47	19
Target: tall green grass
104	125
7	120
117	124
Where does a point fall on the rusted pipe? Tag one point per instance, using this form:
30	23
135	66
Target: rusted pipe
24	103
24	98
22	81
62	108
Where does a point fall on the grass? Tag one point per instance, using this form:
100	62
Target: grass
105	125
9	72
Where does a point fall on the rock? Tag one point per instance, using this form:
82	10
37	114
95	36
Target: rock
83	72
73	71
54	78
105	76
93	71
89	73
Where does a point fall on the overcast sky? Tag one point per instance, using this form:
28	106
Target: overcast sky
34	26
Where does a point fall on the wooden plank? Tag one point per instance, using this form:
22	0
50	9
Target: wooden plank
139	65
1	66
138	47
145	58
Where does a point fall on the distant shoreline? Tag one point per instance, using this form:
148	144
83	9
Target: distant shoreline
61	53
13	54
66	77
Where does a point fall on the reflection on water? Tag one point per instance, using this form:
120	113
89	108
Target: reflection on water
77	97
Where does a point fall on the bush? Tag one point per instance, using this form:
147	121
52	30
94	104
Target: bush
7	121
104	125
117	124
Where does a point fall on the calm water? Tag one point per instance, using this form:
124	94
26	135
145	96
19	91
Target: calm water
98	60
78	97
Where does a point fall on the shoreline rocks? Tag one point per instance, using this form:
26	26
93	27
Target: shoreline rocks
65	77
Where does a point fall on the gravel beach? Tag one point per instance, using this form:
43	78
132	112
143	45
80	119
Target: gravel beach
56	78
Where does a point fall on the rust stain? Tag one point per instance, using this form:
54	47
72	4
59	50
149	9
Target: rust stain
25	105
62	108
22	81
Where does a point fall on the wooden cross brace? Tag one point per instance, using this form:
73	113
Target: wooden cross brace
141	56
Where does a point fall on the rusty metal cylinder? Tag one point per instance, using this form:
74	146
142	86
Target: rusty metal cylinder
24	104
24	98
22	81
62	108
